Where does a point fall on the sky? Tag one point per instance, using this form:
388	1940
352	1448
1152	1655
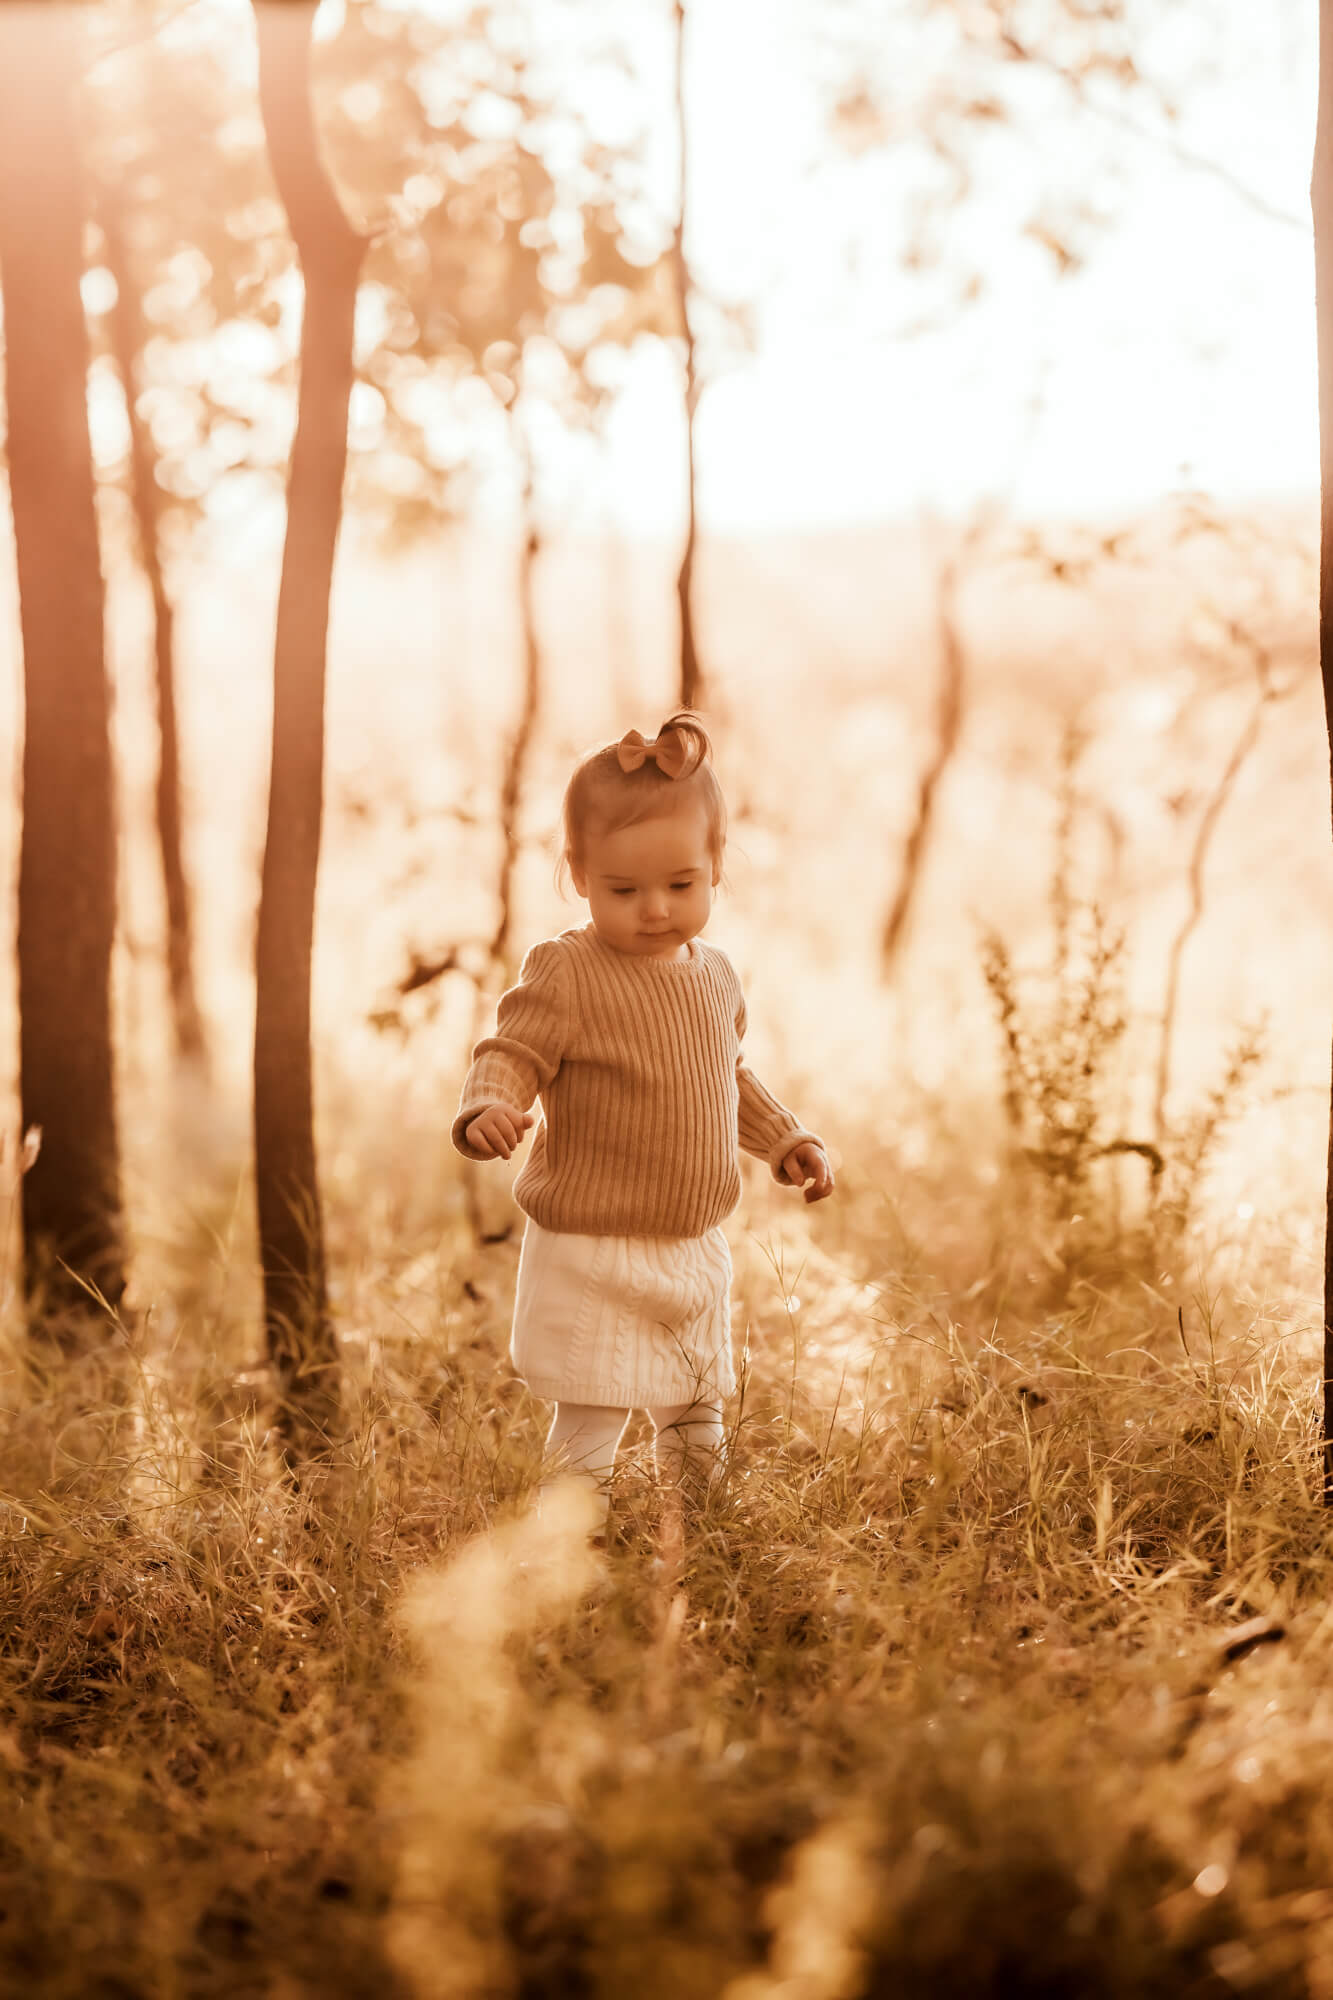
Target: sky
1181	356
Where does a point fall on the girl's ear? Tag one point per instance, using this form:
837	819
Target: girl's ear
579	877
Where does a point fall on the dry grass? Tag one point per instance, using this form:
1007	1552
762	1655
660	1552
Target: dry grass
939	1691
932	1696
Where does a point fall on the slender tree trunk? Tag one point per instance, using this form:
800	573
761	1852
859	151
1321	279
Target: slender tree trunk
67	874
500	949
1193	917
127	340
1321	199
691	677
299	1330
948	726
621	649
511	788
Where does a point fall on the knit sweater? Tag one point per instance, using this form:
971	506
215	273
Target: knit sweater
644	1090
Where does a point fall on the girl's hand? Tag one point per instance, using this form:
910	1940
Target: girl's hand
808	1162
496	1131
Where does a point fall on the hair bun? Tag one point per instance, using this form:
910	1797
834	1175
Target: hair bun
688	728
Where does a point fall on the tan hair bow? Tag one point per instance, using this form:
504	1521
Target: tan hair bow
670	752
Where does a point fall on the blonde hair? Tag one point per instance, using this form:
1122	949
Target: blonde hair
602	794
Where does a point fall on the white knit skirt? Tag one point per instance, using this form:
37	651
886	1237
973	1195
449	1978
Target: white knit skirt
629	1322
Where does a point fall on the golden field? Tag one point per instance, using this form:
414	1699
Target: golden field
940	1691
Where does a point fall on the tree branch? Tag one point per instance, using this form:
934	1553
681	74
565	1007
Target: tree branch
1203	838
1199	163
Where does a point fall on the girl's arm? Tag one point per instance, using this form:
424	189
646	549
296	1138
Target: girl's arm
521	1057
767	1128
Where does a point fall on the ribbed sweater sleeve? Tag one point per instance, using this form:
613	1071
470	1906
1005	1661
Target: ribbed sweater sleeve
523	1055
767	1128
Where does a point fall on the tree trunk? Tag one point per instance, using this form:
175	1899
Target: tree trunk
948	725
1321	201
127	341
500	949
73	1251
300	1336
691	678
511	788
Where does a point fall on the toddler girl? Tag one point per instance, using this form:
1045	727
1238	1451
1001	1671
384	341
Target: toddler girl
629	1030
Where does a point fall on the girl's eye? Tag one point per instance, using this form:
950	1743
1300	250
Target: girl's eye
680	885
622	892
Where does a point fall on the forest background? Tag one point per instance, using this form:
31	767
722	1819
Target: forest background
947	430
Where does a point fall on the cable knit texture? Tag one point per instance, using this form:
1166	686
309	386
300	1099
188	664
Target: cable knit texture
644	1091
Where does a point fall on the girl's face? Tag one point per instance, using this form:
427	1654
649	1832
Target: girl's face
650	887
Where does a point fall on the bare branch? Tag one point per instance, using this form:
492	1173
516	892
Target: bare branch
141	39
1199	163
1203	839
1143	1148
948	725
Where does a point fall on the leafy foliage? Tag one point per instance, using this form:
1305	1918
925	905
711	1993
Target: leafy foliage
509	243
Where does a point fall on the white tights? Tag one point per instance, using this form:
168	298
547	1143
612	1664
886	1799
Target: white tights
584	1438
